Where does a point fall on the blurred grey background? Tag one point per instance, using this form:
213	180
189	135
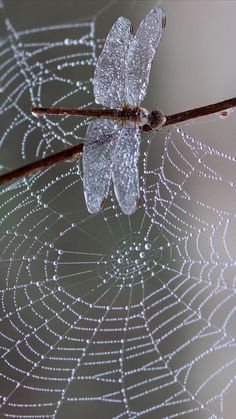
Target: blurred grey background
195	63
194	66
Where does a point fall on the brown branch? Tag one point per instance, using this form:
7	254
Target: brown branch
71	152
203	111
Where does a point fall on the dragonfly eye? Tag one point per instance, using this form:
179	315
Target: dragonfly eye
156	119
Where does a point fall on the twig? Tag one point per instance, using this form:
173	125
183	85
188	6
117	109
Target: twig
71	152
203	111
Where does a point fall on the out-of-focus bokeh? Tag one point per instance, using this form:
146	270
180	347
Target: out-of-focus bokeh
108	315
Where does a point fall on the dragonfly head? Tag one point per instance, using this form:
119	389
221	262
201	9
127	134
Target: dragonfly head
156	119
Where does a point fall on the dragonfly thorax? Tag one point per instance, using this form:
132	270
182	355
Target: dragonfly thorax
135	115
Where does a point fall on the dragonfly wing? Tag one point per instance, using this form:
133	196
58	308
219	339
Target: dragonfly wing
110	75
98	154
141	53
125	170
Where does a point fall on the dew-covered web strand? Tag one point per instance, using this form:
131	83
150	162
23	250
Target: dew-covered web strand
79	360
135	313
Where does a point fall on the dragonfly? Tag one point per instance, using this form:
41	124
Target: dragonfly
112	143
121	79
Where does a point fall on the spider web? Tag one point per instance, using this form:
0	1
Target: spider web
110	315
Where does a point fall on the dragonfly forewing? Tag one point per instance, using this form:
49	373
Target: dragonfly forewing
110	75
141	53
98	156
125	170
121	77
